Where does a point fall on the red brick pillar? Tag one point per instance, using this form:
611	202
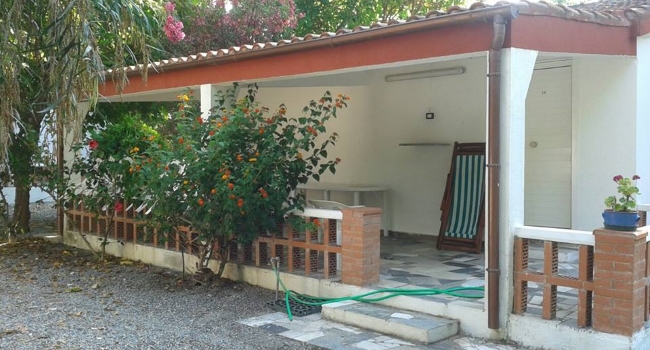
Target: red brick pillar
360	246
619	281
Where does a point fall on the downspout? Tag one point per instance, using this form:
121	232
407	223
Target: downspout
493	167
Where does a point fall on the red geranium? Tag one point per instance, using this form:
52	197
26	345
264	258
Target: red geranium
93	144
119	207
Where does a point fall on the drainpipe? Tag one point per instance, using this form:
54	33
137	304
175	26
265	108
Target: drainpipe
493	167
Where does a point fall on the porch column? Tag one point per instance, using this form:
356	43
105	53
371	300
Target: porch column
642	113
207	98
620	281
360	245
516	72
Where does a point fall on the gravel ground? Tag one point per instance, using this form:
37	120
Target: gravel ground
57	297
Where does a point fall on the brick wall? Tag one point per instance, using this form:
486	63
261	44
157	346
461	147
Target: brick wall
360	243
619	281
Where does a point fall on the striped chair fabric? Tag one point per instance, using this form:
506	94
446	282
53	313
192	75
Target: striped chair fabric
465	212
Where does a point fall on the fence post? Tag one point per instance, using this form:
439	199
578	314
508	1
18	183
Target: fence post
360	246
619	281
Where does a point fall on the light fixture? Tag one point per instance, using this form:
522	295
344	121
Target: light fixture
425	74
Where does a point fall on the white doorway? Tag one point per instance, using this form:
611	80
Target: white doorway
548	147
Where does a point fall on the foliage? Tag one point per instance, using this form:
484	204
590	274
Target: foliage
332	15
209	25
234	174
627	190
52	56
106	163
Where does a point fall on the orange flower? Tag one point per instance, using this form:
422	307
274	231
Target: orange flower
261	131
240	202
257	154
166	167
219	125
257	110
199	120
227	172
232	196
225	177
240	158
231	186
224	118
316	222
245	110
213	191
180	141
211	132
201	202
264	194
269	121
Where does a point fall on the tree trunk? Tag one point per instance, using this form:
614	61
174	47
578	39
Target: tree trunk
21	151
20	220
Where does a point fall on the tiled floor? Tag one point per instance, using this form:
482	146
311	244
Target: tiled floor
413	261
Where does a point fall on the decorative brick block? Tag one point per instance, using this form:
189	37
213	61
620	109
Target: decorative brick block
619	281
360	243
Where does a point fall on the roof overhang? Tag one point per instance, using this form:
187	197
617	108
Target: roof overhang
437	37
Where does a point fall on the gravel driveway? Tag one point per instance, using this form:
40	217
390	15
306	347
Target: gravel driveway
57	297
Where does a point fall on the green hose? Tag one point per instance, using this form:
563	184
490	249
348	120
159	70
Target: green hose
365	297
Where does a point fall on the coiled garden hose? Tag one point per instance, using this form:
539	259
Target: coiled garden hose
366	297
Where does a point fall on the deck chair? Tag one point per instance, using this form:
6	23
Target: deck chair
463	204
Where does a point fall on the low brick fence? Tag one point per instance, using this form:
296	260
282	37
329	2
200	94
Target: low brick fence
346	244
612	284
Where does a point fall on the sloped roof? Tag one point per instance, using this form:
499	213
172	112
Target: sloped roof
607	12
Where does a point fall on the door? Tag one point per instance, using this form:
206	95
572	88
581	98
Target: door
548	147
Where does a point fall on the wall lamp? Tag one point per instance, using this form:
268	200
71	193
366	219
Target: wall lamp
425	74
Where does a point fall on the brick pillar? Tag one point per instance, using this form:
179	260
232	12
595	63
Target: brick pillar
619	281
360	246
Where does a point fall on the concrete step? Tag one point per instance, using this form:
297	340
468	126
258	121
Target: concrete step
406	325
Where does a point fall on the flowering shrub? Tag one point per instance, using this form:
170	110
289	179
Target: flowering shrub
106	162
626	189
173	28
233	174
219	24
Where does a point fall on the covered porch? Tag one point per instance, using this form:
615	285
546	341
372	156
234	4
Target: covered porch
546	109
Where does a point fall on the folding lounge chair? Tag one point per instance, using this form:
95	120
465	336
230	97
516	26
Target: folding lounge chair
462	220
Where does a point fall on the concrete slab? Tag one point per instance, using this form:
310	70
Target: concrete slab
412	326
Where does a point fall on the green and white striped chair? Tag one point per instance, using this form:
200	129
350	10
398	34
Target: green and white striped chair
462	220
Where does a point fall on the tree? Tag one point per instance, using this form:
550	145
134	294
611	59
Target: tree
50	61
332	15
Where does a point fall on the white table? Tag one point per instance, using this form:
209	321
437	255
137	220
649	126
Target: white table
356	191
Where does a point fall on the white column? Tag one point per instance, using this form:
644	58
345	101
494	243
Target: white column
207	92
643	117
516	72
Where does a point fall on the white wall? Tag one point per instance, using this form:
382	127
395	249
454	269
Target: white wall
417	175
383	115
604	133
643	117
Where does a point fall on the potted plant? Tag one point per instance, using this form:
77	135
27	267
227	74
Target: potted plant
621	213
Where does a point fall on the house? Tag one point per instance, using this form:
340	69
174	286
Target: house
558	93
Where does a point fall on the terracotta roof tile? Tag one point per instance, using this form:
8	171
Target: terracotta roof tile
605	12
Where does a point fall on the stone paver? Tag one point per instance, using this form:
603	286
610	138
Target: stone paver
314	330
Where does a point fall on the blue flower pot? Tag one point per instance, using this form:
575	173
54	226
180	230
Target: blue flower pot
621	220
